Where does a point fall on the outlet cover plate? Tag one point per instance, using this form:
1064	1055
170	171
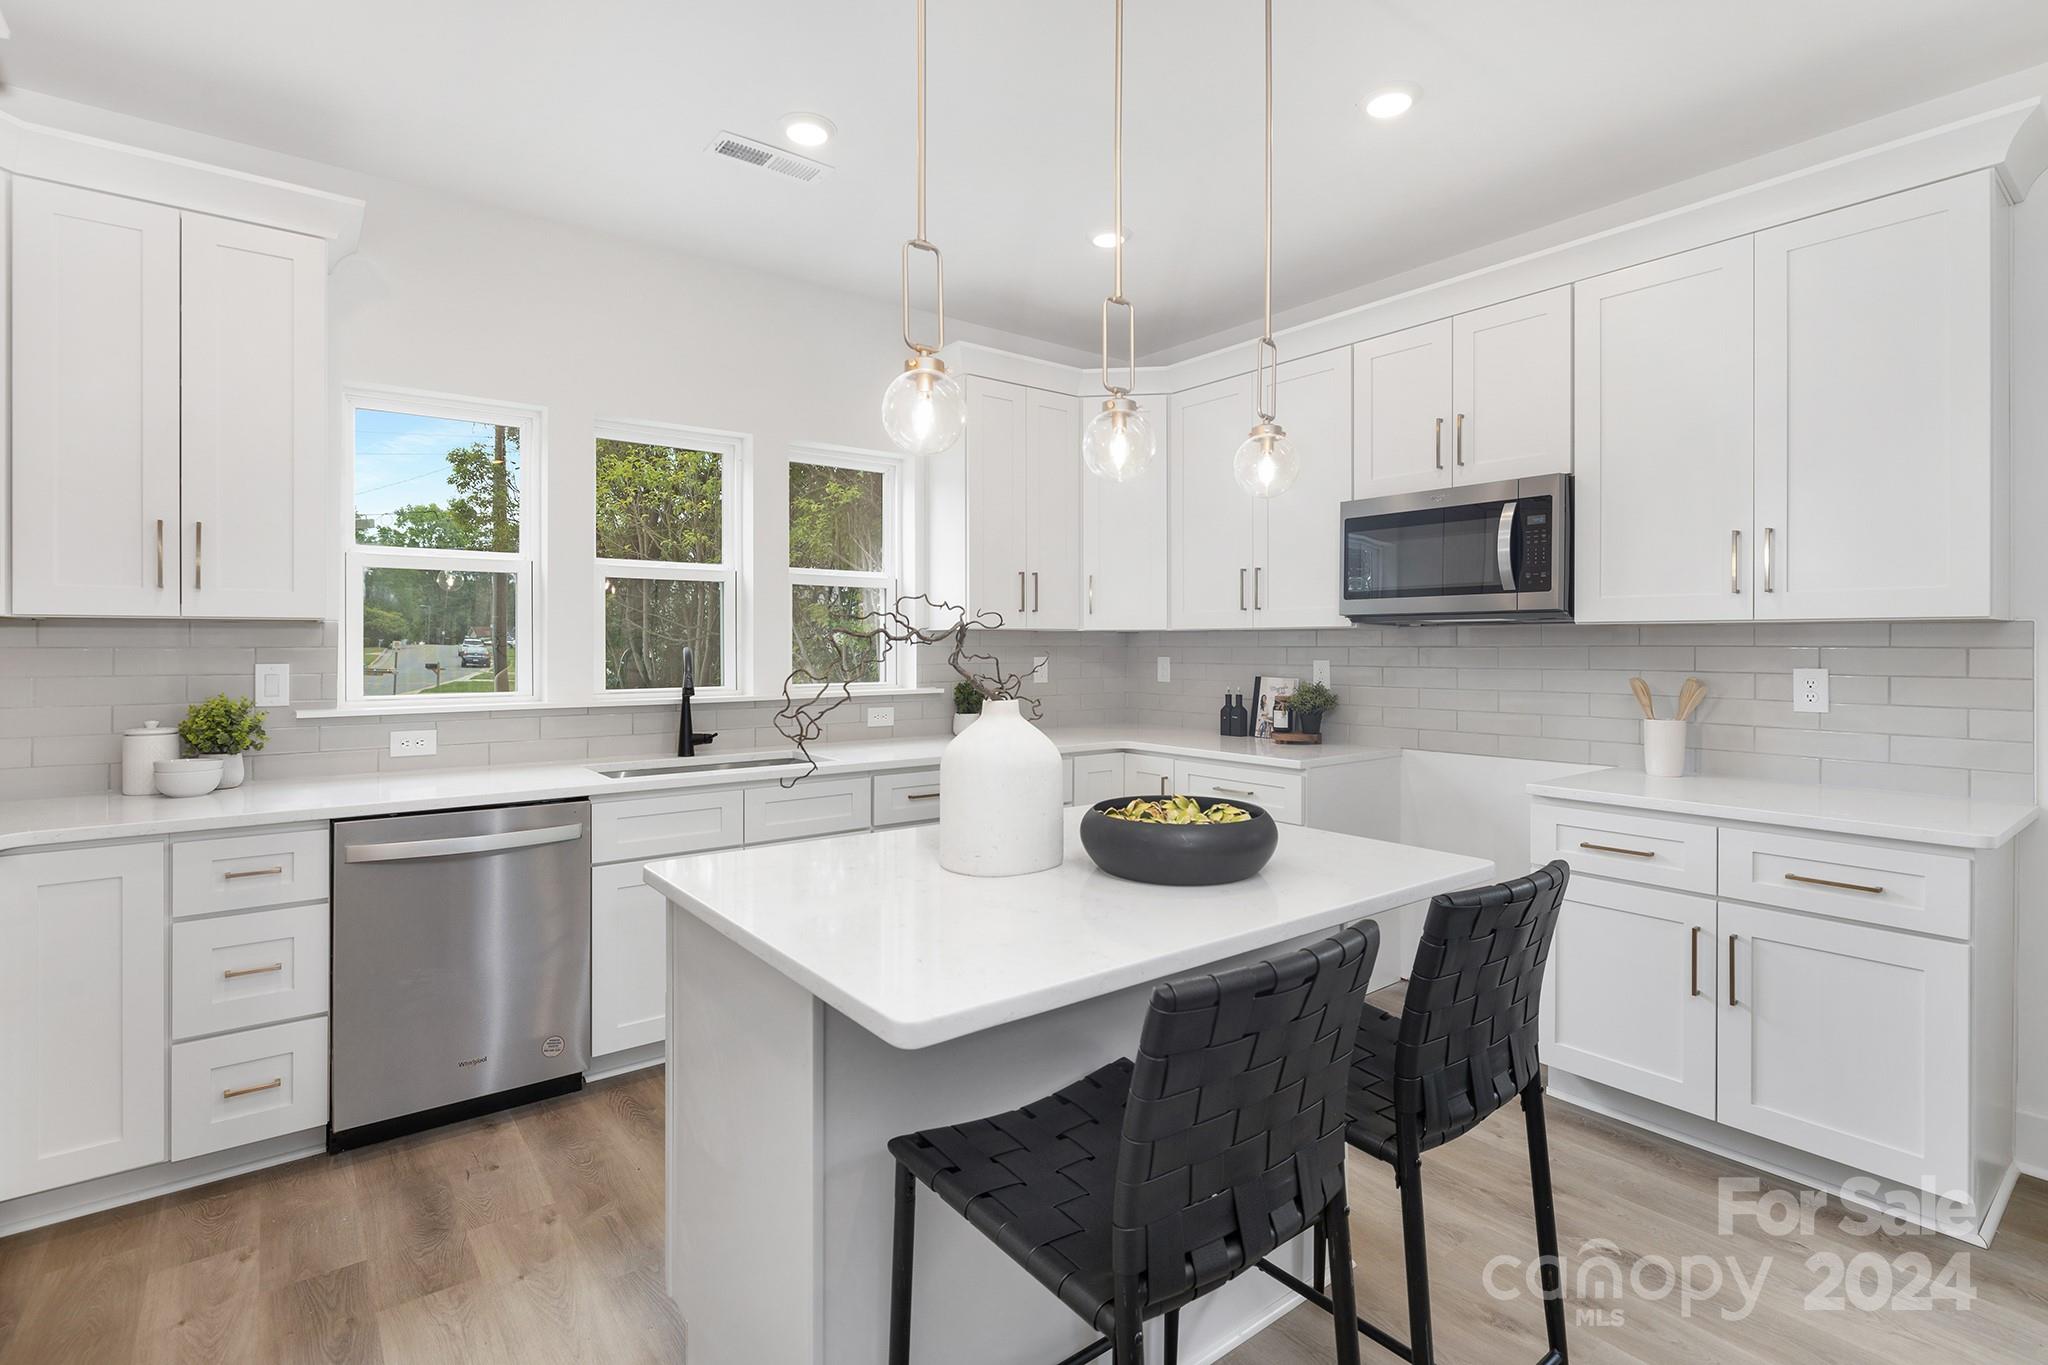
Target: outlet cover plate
1041	668
880	716
273	684
1809	689
1319	671
1166	668
415	743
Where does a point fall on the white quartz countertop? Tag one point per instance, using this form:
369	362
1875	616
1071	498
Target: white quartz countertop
873	926
80	819
1947	820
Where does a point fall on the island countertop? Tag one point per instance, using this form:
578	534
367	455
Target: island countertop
870	923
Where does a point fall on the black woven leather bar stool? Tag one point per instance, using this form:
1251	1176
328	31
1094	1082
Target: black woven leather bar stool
1142	1187
1463	1045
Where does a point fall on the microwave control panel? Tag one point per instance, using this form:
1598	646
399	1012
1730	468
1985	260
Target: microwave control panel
1535	559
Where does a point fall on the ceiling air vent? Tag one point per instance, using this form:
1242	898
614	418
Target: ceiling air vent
769	158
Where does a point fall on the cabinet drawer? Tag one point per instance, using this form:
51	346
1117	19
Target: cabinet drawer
1599	842
1279	792
907	798
1900	888
664	826
237	971
808	809
248	871
244	1087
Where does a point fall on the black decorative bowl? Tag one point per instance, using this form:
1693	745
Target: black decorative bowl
1179	855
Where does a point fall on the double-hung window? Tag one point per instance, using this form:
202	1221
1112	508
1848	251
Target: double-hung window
440	568
845	556
668	526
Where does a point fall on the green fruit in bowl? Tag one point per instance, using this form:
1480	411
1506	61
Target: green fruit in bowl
1177	810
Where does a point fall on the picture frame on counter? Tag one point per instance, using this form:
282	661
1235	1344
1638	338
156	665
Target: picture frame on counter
1270	716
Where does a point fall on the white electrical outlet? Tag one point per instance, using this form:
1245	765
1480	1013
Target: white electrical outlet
1166	668
1809	689
1041	668
881	715
273	685
414	743
1319	671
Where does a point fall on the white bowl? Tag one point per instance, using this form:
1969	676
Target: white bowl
187	776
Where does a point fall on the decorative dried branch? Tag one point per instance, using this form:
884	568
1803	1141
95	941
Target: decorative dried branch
802	718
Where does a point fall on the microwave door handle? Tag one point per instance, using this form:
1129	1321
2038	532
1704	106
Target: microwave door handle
1504	546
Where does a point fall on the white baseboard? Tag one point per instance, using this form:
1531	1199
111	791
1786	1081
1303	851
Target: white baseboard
619	1063
131	1187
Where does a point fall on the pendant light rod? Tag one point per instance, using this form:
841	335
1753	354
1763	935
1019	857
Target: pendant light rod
1266	397
1116	298
920	242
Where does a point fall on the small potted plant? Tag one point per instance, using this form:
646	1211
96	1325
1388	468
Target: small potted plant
967	700
224	725
1306	706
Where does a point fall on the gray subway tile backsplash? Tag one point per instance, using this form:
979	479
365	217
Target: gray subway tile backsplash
1935	707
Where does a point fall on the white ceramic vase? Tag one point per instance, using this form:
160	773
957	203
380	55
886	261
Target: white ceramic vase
999	797
231	771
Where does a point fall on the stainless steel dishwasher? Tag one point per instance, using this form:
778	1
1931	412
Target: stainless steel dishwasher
461	951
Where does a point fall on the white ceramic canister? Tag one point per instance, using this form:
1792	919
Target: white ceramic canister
140	749
1001	812
1664	748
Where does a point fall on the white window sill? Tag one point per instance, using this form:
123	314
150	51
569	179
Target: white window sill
610	701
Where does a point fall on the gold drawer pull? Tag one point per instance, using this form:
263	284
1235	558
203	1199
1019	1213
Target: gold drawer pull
1610	848
273	1083
1234	791
1839	886
253	872
1695	958
252	971
920	796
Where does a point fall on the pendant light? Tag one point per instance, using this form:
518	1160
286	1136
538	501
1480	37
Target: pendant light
1118	443
1266	464
923	409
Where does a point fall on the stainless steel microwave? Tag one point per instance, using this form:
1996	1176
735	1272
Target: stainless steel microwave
1480	552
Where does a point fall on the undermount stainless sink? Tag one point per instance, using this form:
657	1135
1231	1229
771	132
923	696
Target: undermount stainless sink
699	765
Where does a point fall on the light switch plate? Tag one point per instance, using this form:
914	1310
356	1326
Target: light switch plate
273	685
1319	671
879	716
1809	689
1166	668
1041	668
415	743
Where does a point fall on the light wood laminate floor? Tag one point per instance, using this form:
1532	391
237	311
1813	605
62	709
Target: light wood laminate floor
535	1236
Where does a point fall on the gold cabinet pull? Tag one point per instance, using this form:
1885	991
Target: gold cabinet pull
240	873
1610	848
1770	544
1021	598
1091	594
1731	971
1439	443
159	552
920	796
1034	590
1231	791
1162	784
274	1083
1839	886
1694	956
1735	562
232	973
198	553
1259	587
1460	440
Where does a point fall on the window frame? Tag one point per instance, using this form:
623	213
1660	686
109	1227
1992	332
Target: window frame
523	564
735	451
899	668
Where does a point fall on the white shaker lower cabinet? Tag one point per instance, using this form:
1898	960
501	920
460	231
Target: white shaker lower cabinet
628	960
1812	1036
82	1013
1148	775
1097	777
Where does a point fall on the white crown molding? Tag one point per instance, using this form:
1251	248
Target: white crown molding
42	153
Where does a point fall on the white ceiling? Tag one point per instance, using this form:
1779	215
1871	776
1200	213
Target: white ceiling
598	114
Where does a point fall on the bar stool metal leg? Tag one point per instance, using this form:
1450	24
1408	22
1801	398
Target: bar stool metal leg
1322	1243
900	1263
1336	1228
1126	1338
1408	1172
1546	1221
1173	1337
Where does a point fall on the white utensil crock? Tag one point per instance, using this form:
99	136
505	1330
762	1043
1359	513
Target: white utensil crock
140	749
1664	748
1000	806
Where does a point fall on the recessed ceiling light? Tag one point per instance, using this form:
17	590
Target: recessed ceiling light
1106	239
808	130
1391	102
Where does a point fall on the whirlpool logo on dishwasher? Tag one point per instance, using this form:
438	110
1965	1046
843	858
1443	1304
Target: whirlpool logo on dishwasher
475	1061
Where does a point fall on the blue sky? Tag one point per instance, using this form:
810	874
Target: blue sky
402	458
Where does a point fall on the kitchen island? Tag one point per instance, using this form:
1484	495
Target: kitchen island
828	995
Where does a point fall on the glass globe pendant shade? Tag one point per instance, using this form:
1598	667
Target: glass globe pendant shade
924	409
1266	464
1118	443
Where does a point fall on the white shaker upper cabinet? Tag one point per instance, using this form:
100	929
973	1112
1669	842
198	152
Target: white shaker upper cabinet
991	459
255	382
1052	510
95	374
1512	389
1213	550
1665	458
1127	548
82	984
1882	472
1402	440
1295	574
